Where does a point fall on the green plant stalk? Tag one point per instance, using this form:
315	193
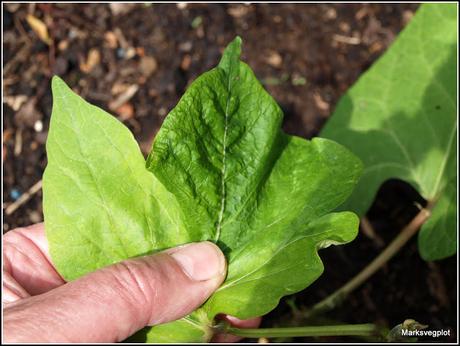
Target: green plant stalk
407	233
334	330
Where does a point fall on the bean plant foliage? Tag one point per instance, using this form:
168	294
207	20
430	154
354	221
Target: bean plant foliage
220	169
400	118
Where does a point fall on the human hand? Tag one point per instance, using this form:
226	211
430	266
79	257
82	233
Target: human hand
109	304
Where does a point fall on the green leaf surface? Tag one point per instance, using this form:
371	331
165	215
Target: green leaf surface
400	118
443	218
100	203
221	170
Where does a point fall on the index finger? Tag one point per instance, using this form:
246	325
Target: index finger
26	258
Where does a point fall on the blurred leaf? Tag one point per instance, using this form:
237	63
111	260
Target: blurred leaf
400	118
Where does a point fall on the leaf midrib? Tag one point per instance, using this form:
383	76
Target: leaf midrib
224	157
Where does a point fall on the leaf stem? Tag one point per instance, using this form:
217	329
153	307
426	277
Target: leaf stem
407	232
334	330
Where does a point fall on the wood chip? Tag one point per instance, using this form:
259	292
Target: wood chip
123	97
407	16
376	47
63	45
148	65
93	59
18	143
24	198
274	59
15	102
12	7
238	11
277	19
7	135
118	88
363	12
118	8
346	39
186	46
331	13
111	39
186	62
35	217
140	51
39	28
320	103
344	27
125	111
121	39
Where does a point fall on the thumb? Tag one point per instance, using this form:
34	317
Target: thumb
114	302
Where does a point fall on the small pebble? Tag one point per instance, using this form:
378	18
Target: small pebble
38	126
63	45
277	19
35	217
125	111
73	34
274	59
186	46
111	39
34	145
15	194
121	53
162	112
186	61
148	65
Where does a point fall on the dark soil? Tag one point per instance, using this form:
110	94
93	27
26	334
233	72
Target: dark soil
306	56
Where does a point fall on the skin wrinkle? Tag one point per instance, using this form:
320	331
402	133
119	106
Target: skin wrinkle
38	240
12	291
124	286
18	244
131	276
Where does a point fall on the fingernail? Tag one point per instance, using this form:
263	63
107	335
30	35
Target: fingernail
200	261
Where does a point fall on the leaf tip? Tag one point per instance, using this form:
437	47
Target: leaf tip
56	80
235	45
238	40
56	84
231	55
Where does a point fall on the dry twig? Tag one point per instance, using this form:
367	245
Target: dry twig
24	198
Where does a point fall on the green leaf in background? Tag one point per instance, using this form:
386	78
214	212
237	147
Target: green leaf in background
400	118
221	170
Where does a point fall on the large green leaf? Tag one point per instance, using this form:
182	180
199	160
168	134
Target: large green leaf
100	203
400	118
220	169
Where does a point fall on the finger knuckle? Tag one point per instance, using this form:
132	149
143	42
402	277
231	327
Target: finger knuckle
138	284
